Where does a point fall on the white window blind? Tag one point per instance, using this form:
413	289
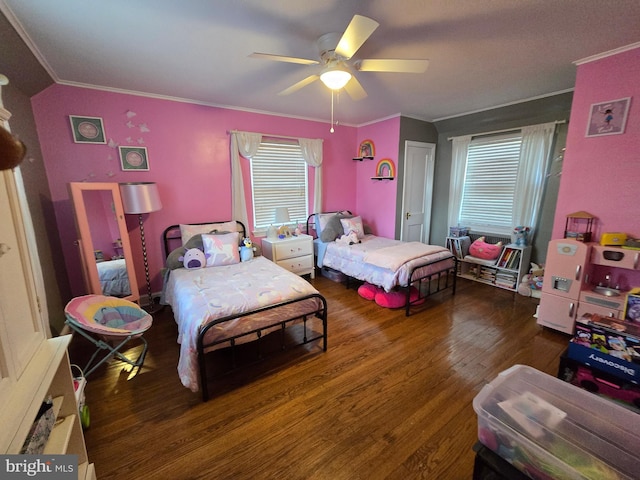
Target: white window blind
489	183
278	179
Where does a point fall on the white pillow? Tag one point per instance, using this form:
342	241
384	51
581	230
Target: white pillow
353	224
188	231
221	249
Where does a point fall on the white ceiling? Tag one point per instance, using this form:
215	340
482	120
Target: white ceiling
482	53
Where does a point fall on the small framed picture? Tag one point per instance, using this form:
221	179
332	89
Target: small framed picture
608	118
134	158
87	129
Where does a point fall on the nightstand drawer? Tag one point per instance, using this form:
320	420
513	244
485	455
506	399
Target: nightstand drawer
293	248
298	264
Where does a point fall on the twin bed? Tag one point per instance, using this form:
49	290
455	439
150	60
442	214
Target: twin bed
227	305
387	263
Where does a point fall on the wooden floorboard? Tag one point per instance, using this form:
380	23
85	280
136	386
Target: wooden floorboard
391	398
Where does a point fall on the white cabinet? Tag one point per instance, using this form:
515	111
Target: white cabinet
293	253
32	367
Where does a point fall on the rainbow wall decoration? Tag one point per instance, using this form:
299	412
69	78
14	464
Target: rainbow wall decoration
386	168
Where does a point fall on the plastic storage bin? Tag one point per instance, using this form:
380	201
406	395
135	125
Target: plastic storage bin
548	428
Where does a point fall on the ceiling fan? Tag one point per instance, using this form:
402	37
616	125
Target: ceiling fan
336	58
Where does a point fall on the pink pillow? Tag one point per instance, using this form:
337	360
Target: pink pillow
368	291
396	299
485	251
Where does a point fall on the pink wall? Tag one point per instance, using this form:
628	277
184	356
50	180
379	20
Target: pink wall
188	148
376	201
601	175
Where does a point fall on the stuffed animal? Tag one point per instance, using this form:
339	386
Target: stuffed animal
246	250
521	234
193	258
531	283
349	239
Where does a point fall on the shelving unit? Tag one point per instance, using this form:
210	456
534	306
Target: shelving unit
505	272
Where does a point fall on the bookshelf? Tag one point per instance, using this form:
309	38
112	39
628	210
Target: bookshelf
505	272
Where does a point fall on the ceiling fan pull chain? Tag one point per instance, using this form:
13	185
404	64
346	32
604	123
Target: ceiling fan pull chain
331	130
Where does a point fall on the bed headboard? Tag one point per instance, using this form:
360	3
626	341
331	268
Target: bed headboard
311	222
172	238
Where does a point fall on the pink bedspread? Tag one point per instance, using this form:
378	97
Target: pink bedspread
199	296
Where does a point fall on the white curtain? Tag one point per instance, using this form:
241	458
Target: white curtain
460	146
312	153
245	144
534	162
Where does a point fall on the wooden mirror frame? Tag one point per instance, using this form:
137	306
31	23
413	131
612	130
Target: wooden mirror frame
85	242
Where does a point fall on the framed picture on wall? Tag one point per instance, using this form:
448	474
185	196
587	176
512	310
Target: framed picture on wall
87	129
134	158
608	118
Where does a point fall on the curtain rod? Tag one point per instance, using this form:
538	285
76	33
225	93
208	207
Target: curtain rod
266	135
557	122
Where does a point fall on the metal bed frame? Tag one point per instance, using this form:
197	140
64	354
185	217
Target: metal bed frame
426	285
203	346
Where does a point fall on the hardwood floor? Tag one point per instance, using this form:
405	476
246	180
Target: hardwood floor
390	399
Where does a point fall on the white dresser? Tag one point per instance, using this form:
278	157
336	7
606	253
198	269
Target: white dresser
294	253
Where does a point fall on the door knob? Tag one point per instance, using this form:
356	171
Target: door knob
408	215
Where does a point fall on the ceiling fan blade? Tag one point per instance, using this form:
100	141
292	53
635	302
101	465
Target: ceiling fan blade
282	58
392	65
297	86
360	28
354	89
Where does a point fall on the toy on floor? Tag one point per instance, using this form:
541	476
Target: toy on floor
531	283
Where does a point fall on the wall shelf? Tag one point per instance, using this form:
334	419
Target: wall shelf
382	178
359	159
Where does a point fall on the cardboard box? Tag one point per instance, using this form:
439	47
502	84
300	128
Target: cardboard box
549	428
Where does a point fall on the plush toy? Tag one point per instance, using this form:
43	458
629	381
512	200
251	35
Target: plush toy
531	283
193	259
246	250
349	239
521	234
486	251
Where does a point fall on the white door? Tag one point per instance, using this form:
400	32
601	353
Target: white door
417	191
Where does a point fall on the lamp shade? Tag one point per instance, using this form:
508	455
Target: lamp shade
282	215
335	78
141	197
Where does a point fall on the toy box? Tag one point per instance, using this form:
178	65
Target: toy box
632	306
333	275
602	361
611	336
548	428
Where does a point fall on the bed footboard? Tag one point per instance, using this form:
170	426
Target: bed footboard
431	283
273	318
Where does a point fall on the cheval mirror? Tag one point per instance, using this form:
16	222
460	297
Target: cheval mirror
105	250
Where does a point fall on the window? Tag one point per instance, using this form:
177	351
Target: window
490	183
278	179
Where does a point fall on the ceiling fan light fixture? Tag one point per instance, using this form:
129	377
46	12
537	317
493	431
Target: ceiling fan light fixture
335	78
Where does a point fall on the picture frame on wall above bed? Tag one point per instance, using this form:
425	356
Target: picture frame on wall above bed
411	269
231	304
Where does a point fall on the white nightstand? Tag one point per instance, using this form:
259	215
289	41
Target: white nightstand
293	253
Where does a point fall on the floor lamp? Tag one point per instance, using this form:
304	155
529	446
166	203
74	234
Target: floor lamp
139	198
